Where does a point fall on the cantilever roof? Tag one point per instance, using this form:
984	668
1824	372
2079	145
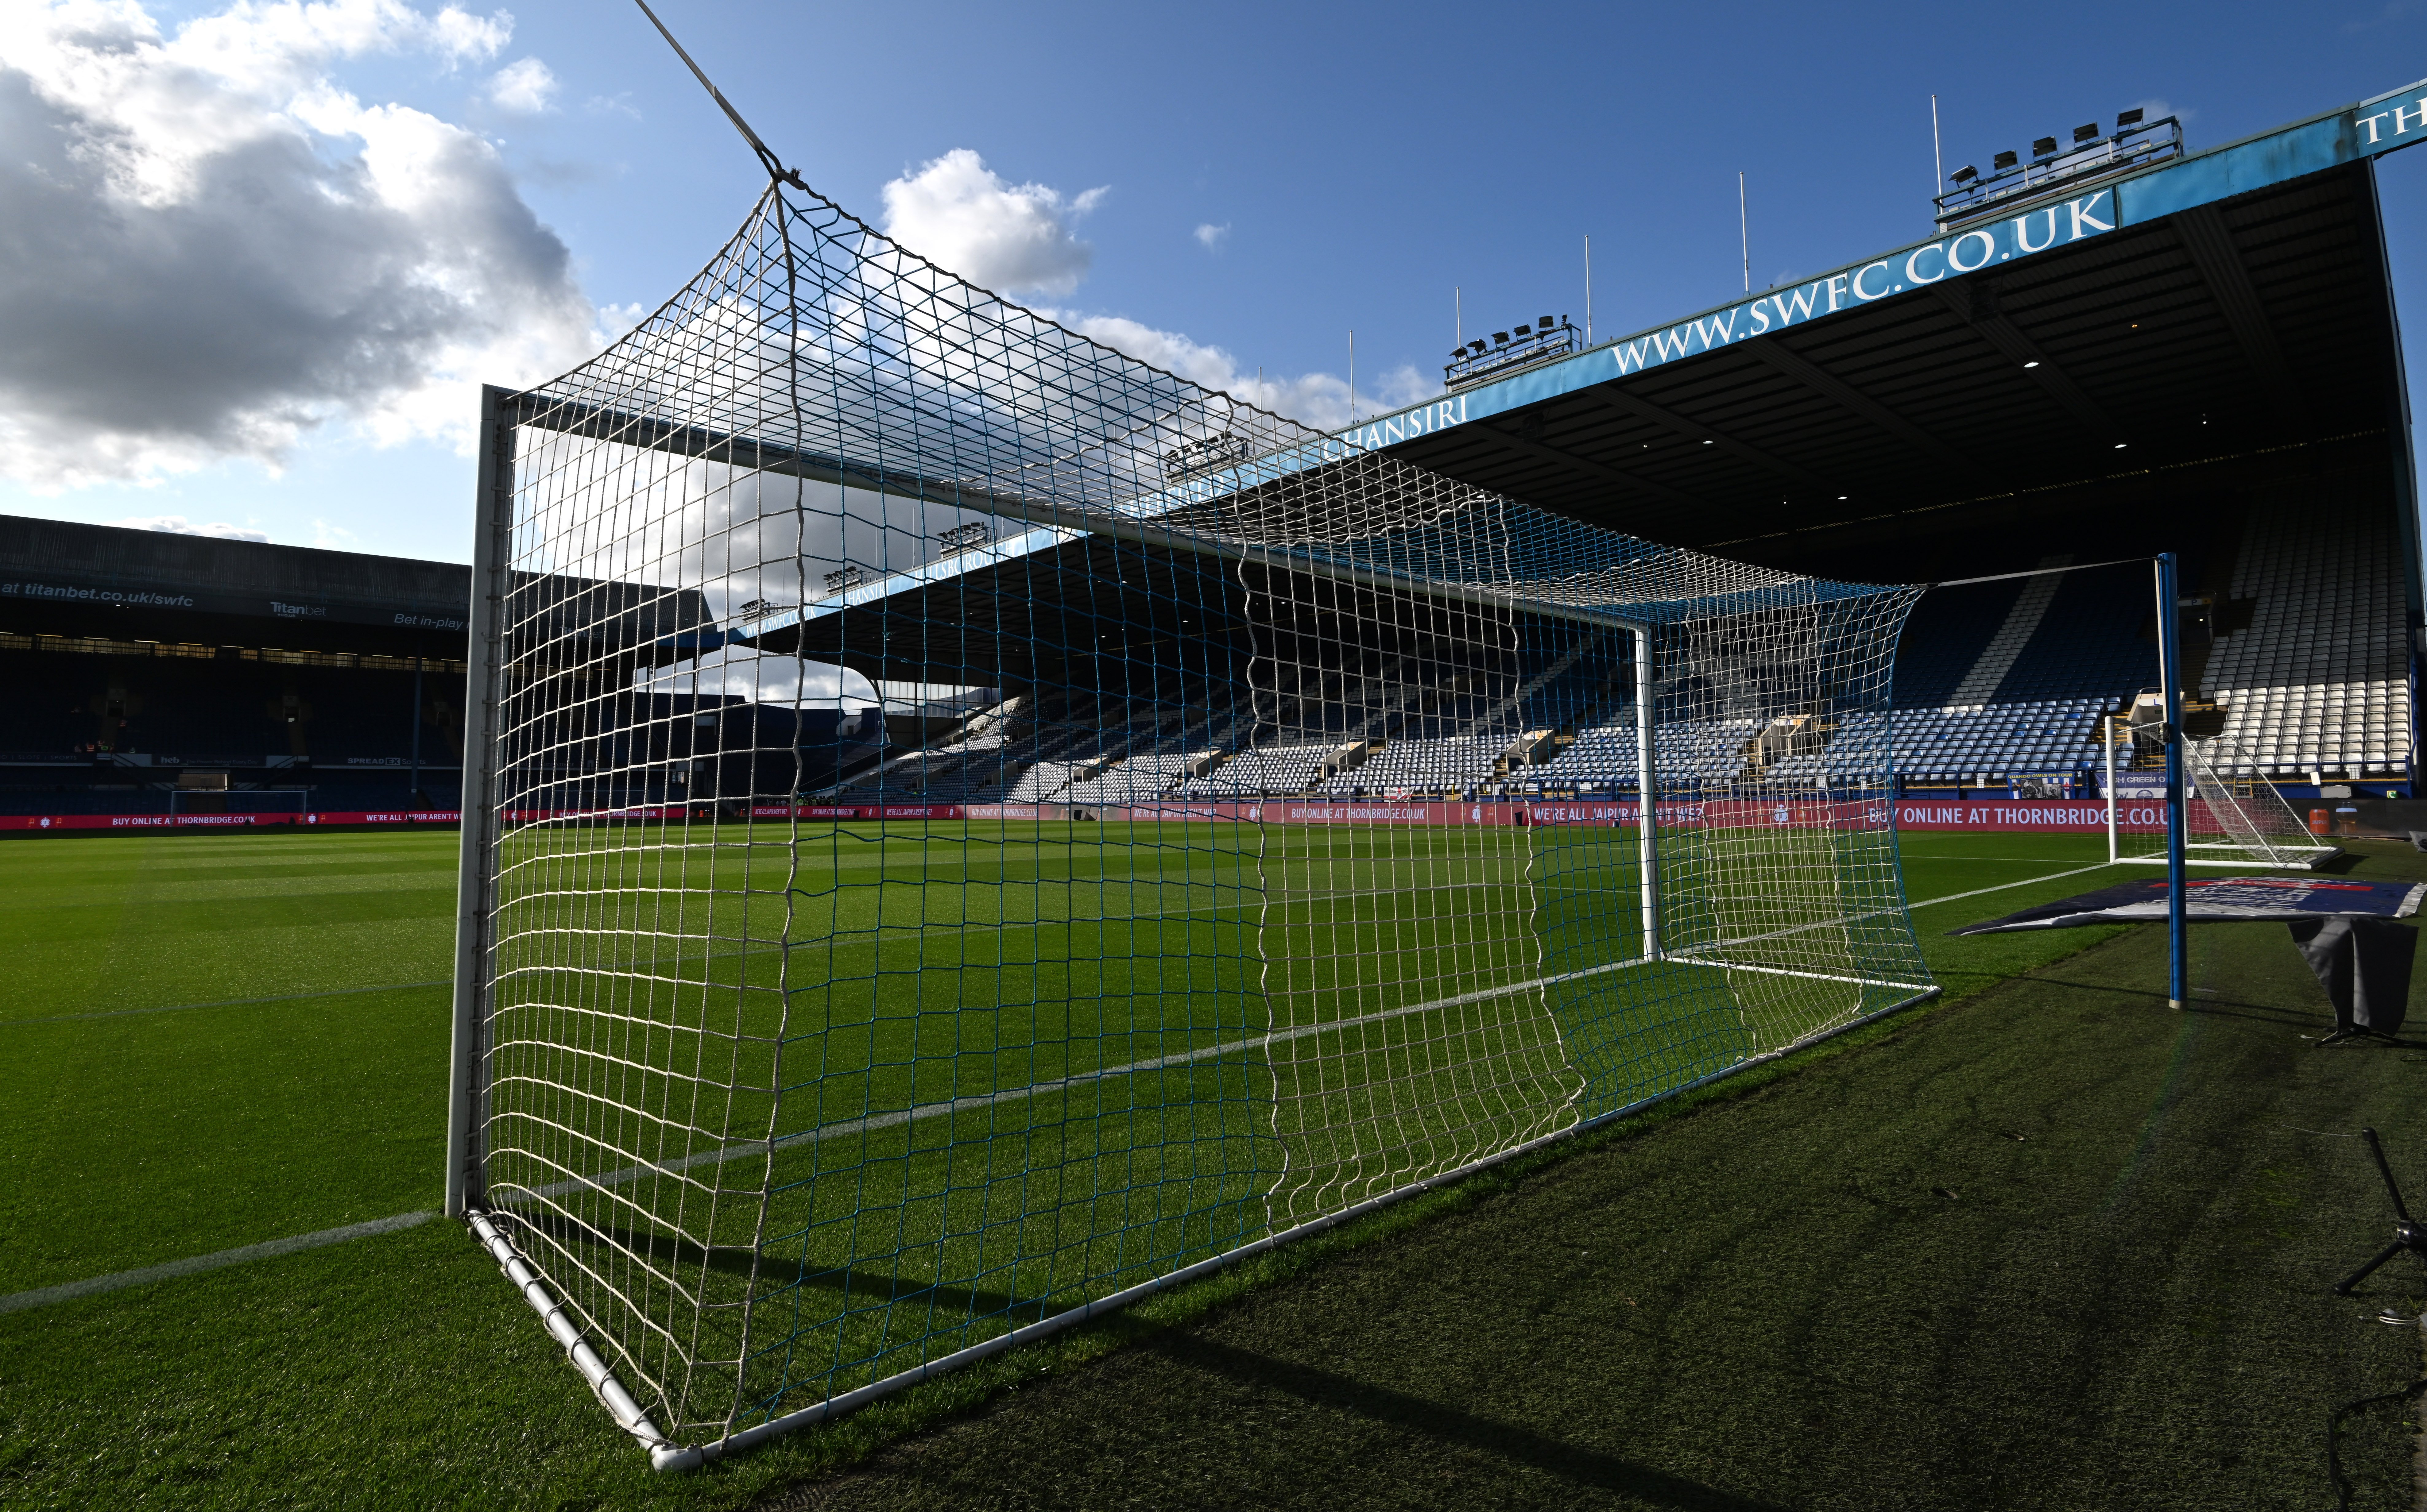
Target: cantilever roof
2139	339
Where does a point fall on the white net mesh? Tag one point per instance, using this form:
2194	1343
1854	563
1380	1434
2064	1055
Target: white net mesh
975	823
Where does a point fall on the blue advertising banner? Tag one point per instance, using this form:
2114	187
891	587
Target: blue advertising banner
2226	897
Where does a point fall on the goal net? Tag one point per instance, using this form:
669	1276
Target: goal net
2232	815
966	828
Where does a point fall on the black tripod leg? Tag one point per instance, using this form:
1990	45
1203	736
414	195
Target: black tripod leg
2385	1171
2343	1287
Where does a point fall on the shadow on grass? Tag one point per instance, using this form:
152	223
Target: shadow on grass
1342	1393
858	1286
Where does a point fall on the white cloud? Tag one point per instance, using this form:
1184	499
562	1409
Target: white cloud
524	86
1210	236
615	321
179	525
1319	400
957	214
332	537
209	248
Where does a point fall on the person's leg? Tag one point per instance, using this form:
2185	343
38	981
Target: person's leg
2383	952
2326	943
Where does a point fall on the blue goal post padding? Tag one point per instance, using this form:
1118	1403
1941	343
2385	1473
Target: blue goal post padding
2223	899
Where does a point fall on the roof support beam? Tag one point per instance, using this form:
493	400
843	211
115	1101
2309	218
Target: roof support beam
2208	239
1805	371
1643	409
1545	452
1975	302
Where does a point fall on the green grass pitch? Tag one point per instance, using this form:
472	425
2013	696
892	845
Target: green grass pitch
220	1040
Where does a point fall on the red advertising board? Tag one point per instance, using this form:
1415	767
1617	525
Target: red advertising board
128	824
2036	816
2006	814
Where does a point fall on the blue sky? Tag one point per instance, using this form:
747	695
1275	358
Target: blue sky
1269	176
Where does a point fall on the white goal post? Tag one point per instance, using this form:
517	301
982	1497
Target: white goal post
2233	816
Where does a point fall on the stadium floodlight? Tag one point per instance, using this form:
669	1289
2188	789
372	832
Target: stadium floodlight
2004	160
2043	147
773	1095
2085	133
1965	174
2129	117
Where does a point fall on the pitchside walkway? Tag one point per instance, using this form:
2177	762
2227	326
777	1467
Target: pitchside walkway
2053	1246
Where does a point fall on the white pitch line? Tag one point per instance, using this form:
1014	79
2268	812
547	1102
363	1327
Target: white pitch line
1955	897
195	1265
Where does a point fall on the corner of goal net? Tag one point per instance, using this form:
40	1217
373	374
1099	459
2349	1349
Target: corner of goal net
628	1414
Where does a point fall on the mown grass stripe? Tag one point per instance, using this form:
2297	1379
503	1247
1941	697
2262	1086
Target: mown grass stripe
225	1003
196	1264
1076	1079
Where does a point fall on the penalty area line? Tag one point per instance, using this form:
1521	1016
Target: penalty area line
197	1264
2004	886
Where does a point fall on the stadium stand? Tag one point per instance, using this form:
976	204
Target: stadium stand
138	658
2293	648
2315	683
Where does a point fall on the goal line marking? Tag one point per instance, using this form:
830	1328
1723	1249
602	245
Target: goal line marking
196	1264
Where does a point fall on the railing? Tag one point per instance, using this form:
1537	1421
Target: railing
1503	353
2134	146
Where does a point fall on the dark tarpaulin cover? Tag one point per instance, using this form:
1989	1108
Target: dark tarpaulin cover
2221	899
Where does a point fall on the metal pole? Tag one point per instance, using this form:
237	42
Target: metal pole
1588	291
1352	375
1647	815
2169	682
1744	233
2106	725
413	796
466	1067
1457	306
1938	160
